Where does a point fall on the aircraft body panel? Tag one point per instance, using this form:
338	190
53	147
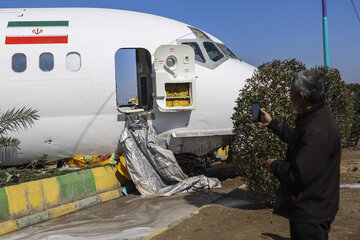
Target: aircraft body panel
78	110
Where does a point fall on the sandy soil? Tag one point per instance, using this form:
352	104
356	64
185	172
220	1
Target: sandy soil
222	220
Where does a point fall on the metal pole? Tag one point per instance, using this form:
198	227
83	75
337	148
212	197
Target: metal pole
325	35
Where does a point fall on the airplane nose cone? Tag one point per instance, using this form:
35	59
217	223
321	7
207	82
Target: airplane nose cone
242	69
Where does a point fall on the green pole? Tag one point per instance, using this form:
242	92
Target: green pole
325	35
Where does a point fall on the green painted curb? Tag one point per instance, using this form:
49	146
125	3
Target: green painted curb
65	188
78	186
75	186
4	205
89	181
77	189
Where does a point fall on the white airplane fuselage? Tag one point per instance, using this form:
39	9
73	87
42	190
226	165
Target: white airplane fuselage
78	109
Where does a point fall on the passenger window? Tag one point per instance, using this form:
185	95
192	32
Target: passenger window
198	54
19	62
73	61
213	52
46	62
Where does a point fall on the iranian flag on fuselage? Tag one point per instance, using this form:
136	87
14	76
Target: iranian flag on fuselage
37	32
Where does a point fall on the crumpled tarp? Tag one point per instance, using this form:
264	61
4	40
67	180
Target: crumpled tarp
153	169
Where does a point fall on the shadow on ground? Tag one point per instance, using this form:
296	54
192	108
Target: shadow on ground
275	236
230	195
237	198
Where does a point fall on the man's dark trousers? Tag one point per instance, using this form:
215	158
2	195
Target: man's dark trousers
310	231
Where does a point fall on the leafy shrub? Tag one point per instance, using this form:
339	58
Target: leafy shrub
354	89
252	145
338	99
270	85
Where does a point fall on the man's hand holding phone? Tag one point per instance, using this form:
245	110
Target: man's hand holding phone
259	115
268	164
265	118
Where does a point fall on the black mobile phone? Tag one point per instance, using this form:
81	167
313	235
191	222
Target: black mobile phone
255	109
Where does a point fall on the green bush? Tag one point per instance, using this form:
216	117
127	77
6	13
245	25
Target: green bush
354	89
252	145
338	99
270	84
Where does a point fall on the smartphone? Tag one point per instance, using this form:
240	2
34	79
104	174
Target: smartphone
256	115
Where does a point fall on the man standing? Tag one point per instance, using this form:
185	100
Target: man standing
310	175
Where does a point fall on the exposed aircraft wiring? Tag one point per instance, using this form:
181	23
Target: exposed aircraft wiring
357	14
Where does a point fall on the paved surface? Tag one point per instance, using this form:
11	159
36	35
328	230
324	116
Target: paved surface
129	217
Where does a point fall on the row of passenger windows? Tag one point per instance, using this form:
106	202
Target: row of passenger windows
46	62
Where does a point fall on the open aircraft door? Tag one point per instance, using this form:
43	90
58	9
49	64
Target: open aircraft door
174	67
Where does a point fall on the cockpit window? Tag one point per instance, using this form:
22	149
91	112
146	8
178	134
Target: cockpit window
213	52
198	33
198	54
227	51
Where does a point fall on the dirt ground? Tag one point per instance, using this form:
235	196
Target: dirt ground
256	221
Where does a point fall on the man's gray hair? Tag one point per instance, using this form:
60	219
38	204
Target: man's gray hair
311	84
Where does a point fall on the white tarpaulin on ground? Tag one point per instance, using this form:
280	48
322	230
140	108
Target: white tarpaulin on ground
153	169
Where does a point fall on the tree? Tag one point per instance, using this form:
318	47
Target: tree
354	89
252	145
270	85
15	120
338	99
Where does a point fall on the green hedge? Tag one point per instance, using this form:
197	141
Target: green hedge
338	99
354	89
270	85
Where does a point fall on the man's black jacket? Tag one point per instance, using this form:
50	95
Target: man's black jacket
310	175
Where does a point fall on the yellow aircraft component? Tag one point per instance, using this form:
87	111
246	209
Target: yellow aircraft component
222	153
177	94
122	168
134	101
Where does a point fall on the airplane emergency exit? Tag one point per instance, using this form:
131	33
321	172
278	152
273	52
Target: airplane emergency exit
63	62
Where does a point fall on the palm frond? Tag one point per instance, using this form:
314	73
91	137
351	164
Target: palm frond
9	141
17	119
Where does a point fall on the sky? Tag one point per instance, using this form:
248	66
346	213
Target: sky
257	31
126	77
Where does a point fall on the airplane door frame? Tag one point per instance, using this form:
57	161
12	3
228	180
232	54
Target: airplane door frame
144	85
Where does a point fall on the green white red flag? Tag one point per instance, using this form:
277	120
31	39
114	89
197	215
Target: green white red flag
37	32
